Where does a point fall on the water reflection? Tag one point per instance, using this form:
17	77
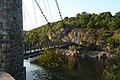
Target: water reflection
30	68
74	69
84	69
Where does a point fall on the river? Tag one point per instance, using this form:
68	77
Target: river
75	69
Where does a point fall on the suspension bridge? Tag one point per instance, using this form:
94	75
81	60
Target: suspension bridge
31	52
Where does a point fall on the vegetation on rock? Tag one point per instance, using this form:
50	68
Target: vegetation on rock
99	30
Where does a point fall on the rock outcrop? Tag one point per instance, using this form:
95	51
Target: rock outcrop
85	53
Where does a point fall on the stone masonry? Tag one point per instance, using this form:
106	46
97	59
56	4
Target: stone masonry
5	76
11	39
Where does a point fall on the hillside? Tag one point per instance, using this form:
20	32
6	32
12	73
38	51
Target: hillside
97	31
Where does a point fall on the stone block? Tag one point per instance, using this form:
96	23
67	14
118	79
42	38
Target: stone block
5	76
11	56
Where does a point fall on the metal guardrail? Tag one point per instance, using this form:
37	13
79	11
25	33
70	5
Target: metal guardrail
33	53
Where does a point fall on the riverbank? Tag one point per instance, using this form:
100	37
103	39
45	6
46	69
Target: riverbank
86	53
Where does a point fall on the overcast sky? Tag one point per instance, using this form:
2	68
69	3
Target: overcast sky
68	8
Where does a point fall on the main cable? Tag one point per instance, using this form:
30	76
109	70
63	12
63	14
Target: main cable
41	11
47	20
58	9
61	18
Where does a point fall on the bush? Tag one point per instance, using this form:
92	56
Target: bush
113	42
112	71
51	59
91	46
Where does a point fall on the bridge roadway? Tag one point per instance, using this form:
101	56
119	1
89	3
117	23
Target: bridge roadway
33	53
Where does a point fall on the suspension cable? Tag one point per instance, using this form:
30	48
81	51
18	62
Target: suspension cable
41	11
49	10
34	12
45	8
58	9
47	20
61	18
28	14
25	21
39	2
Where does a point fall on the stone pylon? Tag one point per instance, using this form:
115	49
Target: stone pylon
11	39
75	34
79	38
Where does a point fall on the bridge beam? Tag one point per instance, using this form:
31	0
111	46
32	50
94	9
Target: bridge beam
11	39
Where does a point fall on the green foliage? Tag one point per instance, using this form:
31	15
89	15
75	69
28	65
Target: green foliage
51	59
112	25
112	41
112	71
90	25
91	46
100	27
116	36
73	47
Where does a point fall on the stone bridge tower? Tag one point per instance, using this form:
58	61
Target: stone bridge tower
11	39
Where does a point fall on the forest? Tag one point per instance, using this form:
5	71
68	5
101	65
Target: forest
101	30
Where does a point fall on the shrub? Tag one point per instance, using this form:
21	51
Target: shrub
112	71
113	42
73	47
51	59
91	46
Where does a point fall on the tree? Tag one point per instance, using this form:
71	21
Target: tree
90	25
65	20
51	59
112	71
98	24
115	24
84	19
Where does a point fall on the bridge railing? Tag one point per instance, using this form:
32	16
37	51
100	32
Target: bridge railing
32	48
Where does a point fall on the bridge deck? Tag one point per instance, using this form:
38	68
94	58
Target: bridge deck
33	53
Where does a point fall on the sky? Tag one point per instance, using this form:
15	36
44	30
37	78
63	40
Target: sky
32	17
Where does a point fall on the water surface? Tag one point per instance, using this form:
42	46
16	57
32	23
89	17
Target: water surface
74	69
